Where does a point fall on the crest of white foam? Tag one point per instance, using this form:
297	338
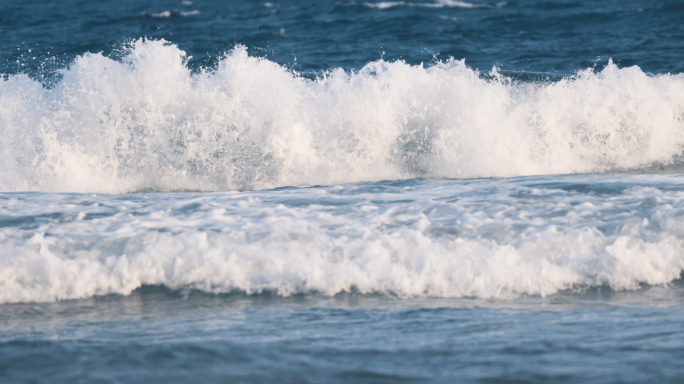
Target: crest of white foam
438	4
169	13
148	123
502	246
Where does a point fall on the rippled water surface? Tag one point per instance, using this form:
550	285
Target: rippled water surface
157	335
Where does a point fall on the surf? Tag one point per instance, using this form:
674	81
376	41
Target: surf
148	122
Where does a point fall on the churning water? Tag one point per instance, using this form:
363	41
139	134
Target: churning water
425	191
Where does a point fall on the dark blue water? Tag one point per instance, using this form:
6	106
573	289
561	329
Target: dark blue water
315	192
549	37
157	335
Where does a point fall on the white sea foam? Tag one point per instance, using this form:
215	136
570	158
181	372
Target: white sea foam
438	4
169	13
148	123
487	239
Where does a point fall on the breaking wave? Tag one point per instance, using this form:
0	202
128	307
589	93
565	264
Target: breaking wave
147	122
457	239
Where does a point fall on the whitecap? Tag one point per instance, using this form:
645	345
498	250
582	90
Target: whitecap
150	123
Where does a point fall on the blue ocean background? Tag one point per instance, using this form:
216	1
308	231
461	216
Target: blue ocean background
319	192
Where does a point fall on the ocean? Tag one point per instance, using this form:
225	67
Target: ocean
426	191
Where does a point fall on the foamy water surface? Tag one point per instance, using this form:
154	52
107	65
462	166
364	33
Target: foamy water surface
486	238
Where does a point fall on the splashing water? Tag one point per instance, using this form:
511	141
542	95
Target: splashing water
149	123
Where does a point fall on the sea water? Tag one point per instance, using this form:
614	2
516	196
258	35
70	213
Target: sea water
425	191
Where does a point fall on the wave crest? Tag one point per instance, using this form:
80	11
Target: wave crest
147	122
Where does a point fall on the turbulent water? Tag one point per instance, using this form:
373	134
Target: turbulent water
147	122
421	191
476	238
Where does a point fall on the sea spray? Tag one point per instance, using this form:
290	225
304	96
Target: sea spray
148	123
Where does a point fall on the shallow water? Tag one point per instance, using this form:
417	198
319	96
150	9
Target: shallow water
400	191
161	335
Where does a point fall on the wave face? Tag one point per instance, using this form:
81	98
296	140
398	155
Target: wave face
430	238
148	123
